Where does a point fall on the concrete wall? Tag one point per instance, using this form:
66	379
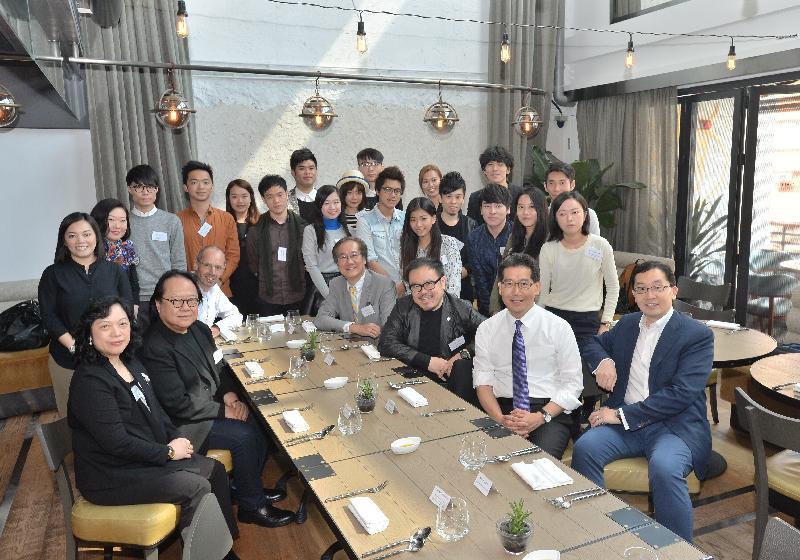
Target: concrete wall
248	126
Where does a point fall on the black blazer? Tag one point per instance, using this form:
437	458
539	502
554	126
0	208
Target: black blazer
116	441
188	379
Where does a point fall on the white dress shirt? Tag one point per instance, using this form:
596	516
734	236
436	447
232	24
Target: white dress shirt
638	379
141	214
305	197
217	309
359	286
551	355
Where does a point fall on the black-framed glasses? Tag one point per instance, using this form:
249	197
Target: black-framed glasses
388	190
427	286
369	164
144	188
522	285
656	289
177	303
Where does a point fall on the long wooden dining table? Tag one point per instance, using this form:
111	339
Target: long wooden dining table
600	527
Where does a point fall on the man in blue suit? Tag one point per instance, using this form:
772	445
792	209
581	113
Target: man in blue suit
655	363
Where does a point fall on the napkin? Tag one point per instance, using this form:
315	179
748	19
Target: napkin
371	352
295	421
309	327
254	369
368	514
541	474
271	319
412	397
796	388
227	335
724	325
277	327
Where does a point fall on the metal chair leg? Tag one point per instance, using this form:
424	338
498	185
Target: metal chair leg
302	513
712	398
331	550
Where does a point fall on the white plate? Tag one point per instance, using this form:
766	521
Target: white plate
543	555
405	445
296	343
335	382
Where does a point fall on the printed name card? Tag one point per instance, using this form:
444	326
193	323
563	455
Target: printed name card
390	406
439	497
329	359
483	484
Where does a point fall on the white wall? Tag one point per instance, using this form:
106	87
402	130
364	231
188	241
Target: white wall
248	126
594	58
46	175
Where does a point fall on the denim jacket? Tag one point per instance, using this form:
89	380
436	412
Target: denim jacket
382	237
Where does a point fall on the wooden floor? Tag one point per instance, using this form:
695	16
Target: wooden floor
34	529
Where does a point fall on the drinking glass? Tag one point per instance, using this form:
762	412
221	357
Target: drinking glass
324	338
292	319
251	323
264	332
298	367
639	553
473	452
452	521
350	421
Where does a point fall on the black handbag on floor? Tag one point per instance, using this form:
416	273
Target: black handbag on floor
21	327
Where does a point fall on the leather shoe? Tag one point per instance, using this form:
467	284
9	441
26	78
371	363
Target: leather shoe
274	494
266	516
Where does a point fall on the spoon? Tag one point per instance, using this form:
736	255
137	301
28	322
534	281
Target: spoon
413	546
566	504
419	535
507	457
402	384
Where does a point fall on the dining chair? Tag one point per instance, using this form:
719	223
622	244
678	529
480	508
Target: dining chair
777	478
690	290
781	540
207	537
142	526
770	298
768	260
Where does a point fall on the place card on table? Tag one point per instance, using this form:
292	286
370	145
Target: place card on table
390	406
483	484
290	329
347	412
309	327
439	497
329	359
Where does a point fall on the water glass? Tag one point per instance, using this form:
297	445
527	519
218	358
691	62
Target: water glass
452	520
298	367
473	452
323	338
293	318
251	324
639	553
350	420
264	332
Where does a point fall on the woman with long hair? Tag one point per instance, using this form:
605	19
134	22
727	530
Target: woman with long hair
421	237
127	451
77	276
327	226
430	176
240	202
353	194
113	220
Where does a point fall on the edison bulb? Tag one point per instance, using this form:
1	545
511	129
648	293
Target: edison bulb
629	59
361	44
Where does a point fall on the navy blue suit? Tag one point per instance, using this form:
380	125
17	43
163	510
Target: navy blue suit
670	427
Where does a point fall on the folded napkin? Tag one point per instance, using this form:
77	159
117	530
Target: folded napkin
724	325
371	352
309	327
295	421
271	319
541	474
368	514
412	397
227	335
254	369
277	327
796	388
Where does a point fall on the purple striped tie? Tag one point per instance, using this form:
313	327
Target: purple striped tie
520	370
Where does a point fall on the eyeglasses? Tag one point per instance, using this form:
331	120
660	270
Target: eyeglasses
387	190
656	289
144	188
369	164
349	256
177	303
427	286
522	285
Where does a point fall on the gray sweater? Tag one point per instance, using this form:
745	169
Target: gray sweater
159	244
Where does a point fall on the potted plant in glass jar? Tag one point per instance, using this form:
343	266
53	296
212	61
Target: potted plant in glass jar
514	529
366	395
309	349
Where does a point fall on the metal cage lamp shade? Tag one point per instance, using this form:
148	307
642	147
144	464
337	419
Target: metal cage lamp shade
8	108
173	109
527	121
317	112
441	115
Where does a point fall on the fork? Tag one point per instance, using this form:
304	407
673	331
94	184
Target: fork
441	411
373	490
242	362
306	407
309	437
281	375
402	384
557	501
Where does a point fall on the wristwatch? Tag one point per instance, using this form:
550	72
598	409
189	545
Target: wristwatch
465	355
546	416
618	413
170	452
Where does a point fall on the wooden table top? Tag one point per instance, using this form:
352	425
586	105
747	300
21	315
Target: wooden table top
614	547
742	347
778	370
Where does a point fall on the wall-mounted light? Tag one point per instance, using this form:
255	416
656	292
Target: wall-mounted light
361	36
505	48
732	56
8	107
441	115
317	111
172	109
181	25
629	53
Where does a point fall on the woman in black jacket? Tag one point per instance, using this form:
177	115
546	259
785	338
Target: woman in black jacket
126	449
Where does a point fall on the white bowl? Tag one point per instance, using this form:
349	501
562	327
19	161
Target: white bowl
335	382
405	445
296	343
543	555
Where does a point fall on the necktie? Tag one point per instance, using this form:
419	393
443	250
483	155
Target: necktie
519	369
353	301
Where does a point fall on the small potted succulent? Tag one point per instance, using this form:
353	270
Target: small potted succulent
514	529
309	349
366	395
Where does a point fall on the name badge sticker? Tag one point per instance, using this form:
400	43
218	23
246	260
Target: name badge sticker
204	229
217	356
457	343
282	254
160	236
367	310
594	253
443	258
439	497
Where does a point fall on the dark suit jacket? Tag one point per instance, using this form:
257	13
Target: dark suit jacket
187	381
336	310
681	363
116	441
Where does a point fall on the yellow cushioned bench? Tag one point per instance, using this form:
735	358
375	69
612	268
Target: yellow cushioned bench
223	456
630	475
783	474
142	525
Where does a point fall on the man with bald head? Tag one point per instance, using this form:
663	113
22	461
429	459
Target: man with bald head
215	309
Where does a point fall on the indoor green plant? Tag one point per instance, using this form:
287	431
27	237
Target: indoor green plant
515	529
308	351
366	395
